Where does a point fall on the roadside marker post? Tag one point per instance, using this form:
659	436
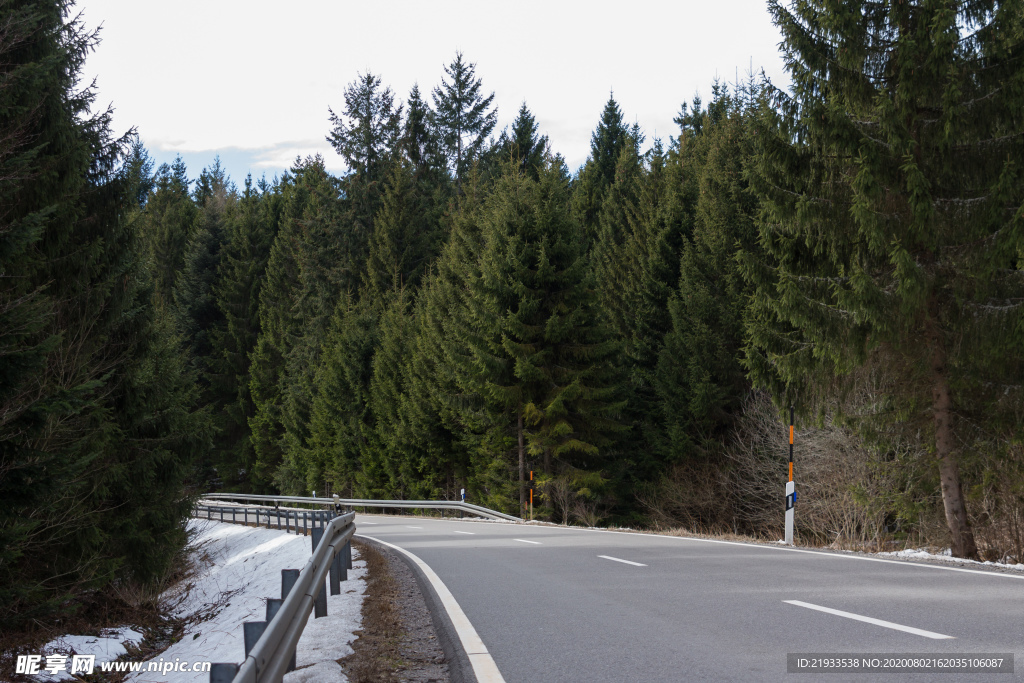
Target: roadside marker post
790	486
531	495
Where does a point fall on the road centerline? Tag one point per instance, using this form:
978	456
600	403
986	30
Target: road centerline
523	540
618	559
871	620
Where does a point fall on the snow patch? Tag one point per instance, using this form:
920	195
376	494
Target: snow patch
945	555
106	647
244	569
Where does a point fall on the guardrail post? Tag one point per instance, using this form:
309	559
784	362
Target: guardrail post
320	597
348	556
338	573
233	510
288	579
273	605
223	673
251	632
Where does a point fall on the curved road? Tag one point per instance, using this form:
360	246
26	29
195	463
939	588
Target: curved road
565	604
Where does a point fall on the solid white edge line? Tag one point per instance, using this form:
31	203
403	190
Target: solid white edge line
523	540
484	668
838	556
616	559
871	620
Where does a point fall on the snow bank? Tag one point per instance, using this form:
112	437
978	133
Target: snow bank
238	569
243	569
945	556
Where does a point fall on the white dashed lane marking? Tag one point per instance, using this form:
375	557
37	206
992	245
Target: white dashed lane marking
871	620
523	540
470	533
616	559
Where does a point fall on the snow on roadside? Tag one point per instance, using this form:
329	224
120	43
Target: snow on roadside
243	569
106	647
945	556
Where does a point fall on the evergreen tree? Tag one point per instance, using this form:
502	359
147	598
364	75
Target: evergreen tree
464	117
369	131
893	196
540	359
606	145
700	376
167	226
99	425
523	144
340	417
405	235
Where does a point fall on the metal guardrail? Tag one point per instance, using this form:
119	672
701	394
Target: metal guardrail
357	503
270	645
292	520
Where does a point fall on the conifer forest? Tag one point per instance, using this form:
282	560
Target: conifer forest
459	308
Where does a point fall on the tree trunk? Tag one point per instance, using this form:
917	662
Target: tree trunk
952	497
522	464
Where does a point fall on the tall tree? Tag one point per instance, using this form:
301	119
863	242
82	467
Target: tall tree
523	143
167	226
464	116
369	130
99	425
540	357
250	233
893	208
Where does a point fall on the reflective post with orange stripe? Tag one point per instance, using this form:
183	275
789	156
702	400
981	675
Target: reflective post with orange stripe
531	495
790	486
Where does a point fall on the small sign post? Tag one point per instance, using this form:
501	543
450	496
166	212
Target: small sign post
531	495
790	486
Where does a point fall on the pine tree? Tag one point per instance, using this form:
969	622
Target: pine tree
340	415
523	144
369	131
405	235
250	233
464	116
700	377
168	225
99	425
892	219
606	144
540	359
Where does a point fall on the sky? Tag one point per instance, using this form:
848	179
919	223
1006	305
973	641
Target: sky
251	80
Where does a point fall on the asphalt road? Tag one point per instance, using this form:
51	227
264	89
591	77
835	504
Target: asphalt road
551	604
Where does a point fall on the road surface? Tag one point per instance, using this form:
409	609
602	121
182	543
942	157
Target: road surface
564	604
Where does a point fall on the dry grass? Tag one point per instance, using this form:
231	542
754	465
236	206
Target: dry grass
376	656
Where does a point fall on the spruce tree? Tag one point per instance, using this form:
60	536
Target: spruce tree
464	116
99	426
367	134
700	376
523	144
540	358
167	226
892	190
250	233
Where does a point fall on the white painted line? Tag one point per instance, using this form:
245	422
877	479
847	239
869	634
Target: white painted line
364	522
484	668
470	533
870	620
413	527
523	540
615	559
